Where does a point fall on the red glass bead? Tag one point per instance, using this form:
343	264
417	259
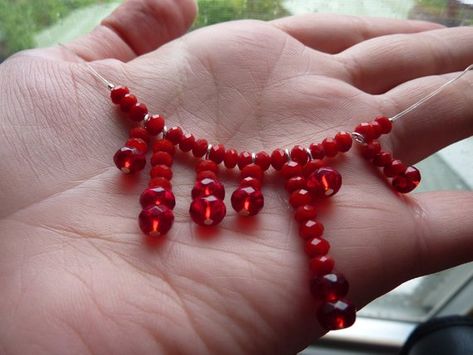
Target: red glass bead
160	182
299	155
329	287
231	158
314	185
164	145
382	159
247	201
312	166
187	142
206	164
369	150
295	183
137	112
127	101
321	265
330	179
278	159
376	129
317	150
200	148
311	229
161	171
344	141
304	213
290	169
157	196
244	159
250	181
316	247
174	134
217	153
396	168
300	197
413	174
263	160
207	211
385	124
252	170
207	187
407	181
129	160
137	143
154	124
206	174
330	147
139	132
366	130
161	157
336	315
117	93
156	221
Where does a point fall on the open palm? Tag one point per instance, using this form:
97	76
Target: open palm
75	272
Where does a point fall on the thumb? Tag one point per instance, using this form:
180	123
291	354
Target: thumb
134	28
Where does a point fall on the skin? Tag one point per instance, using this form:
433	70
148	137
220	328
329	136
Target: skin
76	274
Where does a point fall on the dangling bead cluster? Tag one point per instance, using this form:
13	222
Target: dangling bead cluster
404	179
247	199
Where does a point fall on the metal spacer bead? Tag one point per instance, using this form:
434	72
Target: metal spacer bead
309	153
165	131
209	147
357	137
253	157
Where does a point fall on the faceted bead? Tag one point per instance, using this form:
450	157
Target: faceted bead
206	174
252	170
330	147
314	185
207	211
336	315
250	182
299	155
244	159
311	229
161	171
127	101
206	164
295	183
231	158
187	142
382	159
344	141
321	265
369	150
330	179
412	173
137	143
161	158
156	221
117	93
366	130
164	145
376	129
174	134
385	124
317	150
316	247
300	197
247	201
304	213
137	112
160	182
312	166
278	159
154	124
157	196
396	168
329	287
200	148
207	187
139	132
290	169
407	181
129	160
263	160
217	153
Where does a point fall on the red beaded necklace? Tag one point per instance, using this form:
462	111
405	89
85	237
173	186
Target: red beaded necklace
308	181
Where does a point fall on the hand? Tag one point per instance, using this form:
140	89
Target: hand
77	275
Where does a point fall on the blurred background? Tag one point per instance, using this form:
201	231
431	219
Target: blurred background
384	324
